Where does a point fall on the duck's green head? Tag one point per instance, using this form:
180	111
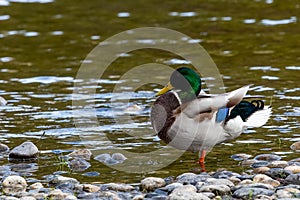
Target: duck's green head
186	81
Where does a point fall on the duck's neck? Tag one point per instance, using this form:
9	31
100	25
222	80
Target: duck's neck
191	94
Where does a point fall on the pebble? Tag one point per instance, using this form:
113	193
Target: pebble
241	156
107	159
191	178
81	153
250	193
151	183
287	192
78	164
295	146
294	169
58	180
36	186
293	179
216	189
119	187
277	173
267	157
278	164
187	192
13	184
26	150
3	148
3	102
90	188
261	170
262	178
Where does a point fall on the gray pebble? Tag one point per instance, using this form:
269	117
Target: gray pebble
78	164
249	193
267	157
293	179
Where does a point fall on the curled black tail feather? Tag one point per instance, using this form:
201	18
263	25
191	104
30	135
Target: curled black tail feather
244	109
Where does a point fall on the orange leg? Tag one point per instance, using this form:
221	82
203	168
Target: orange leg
202	159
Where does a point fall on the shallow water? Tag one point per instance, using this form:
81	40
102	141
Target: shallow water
43	44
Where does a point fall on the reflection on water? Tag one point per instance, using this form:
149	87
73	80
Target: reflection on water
42	50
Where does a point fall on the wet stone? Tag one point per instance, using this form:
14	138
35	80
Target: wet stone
13	184
169	188
249	193
36	186
3	148
262	178
58	180
213	181
151	183
90	188
294	169
267	157
81	153
118	157
3	102
287	193
278	164
191	178
27	198
277	173
248	162
79	164
216	189
295	146
26	150
293	179
260	164
261	170
117	187
241	156
186	192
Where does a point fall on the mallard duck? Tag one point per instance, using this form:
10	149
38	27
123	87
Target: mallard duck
188	119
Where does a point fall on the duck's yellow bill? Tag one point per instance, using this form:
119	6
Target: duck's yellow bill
167	88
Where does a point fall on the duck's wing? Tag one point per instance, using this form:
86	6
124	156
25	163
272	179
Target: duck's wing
206	104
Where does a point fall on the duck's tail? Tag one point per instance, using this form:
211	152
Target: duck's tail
254	113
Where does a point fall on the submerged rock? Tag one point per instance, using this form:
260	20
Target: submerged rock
25	151
116	158
267	157
79	164
187	192
81	153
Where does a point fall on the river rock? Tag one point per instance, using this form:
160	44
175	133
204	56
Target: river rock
267	157
219	189
260	170
295	146
278	164
241	156
151	183
293	179
214	181
14	184
191	178
27	198
78	164
118	187
3	102
26	150
57	194
262	178
81	153
287	192
3	148
118	157
248	162
36	186
260	163
90	188
294	169
278	173
251	193
58	180
187	192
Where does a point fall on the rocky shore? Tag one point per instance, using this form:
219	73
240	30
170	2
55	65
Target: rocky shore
270	178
